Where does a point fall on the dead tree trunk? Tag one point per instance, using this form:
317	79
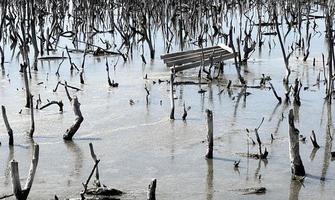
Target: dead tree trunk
9	129
32	128
209	153
330	41
152	190
79	118
172	95
286	57
18	192
297	167
26	84
237	65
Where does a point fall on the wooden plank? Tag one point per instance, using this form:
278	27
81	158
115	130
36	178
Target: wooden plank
196	58
205	53
196	64
169	55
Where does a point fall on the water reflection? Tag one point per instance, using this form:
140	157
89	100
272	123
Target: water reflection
7	170
239	96
210	173
313	153
78	158
274	111
328	145
295	188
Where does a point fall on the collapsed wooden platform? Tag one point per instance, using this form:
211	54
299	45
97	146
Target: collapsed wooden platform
193	58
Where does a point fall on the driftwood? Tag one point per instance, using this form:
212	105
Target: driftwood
9	129
94	157
260	190
152	190
209	154
297	167
6	196
69	86
22	194
79	118
59	103
98	191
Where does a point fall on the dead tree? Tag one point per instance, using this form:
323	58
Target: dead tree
171	95
79	118
297	167
209	154
32	128
237	65
22	194
26	84
152	190
330	42
286	57
296	92
9	129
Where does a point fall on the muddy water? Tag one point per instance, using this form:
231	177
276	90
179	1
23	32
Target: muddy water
139	142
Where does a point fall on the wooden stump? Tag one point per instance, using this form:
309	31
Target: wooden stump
297	167
79	119
152	190
209	153
22	194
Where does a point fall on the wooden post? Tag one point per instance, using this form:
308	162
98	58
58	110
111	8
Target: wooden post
209	153
152	190
172	95
17	190
297	167
9	129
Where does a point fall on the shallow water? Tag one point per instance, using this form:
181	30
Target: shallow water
139	142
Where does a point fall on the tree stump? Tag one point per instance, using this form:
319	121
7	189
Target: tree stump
17	190
297	167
